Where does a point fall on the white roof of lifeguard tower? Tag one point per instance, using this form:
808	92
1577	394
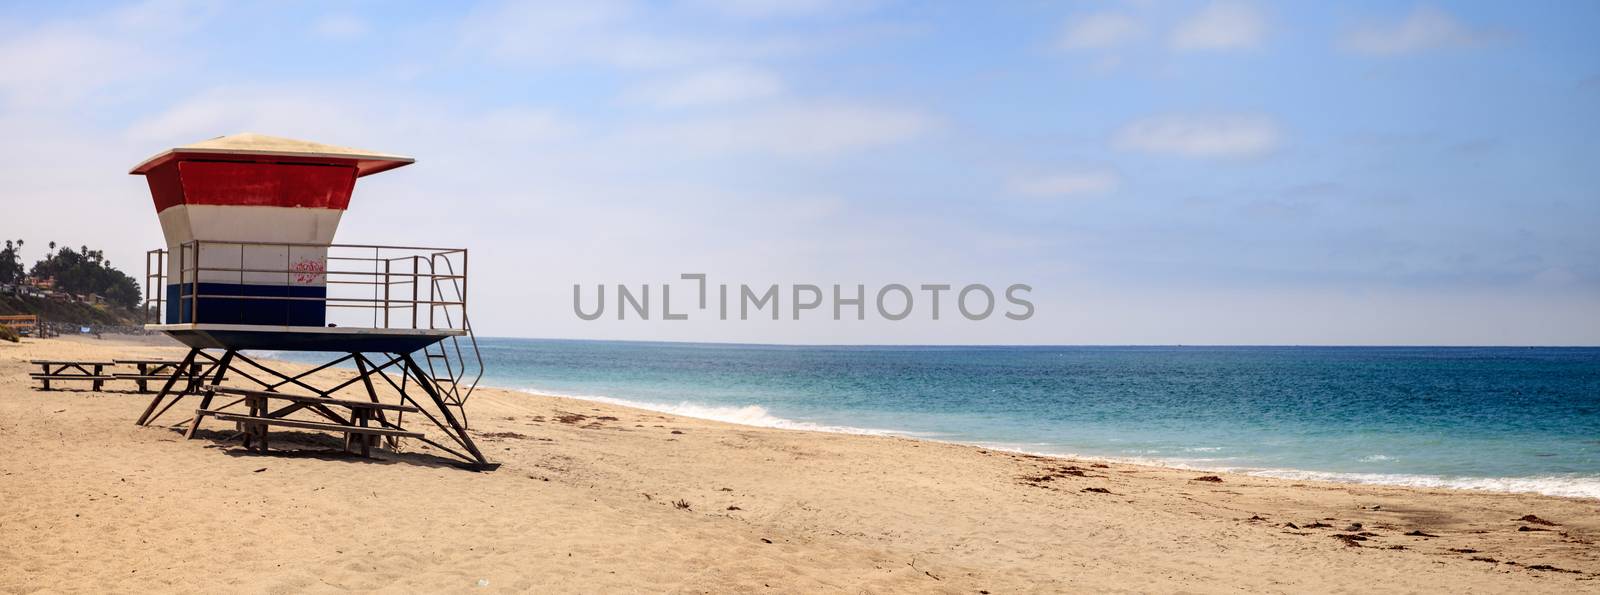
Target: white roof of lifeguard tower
252	144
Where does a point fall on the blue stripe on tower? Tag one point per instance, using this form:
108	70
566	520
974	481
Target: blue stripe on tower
218	306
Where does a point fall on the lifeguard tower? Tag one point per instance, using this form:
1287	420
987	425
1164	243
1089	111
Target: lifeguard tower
250	264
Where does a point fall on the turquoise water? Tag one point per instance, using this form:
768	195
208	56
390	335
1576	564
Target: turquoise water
1509	419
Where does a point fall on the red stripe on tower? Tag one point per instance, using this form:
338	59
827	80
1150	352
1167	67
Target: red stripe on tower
257	170
252	184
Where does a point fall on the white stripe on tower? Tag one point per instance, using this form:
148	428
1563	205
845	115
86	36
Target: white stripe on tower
272	225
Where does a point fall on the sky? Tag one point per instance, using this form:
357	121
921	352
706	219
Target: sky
1365	173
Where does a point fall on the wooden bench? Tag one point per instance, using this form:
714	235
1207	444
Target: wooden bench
243	392
97	374
151	369
357	430
193	382
82	371
162	362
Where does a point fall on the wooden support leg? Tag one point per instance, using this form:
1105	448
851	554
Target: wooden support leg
144	418
244	429
260	410
350	438
194	425
97	381
199	414
365	372
366	443
195	372
426	384
216	378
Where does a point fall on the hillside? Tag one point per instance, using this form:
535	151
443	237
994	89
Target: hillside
67	313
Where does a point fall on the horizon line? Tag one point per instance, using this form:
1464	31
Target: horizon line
1268	345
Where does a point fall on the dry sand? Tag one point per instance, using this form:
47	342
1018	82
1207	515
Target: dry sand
585	503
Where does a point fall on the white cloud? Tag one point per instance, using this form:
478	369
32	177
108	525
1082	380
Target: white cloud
631	36
1099	31
1221	26
55	66
782	8
1425	28
817	130
165	17
270	111
1216	135
709	87
348	115
340	27
1068	183
1556	277
519	125
600	32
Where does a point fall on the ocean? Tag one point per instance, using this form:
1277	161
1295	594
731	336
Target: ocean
1489	418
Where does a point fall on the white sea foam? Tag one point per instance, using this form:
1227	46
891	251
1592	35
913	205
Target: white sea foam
758	416
748	415
1567	486
1553	485
1376	458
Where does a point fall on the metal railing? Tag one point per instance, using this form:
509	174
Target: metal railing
357	285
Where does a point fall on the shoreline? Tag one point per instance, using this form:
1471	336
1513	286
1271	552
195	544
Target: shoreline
584	501
1051	345
1588	488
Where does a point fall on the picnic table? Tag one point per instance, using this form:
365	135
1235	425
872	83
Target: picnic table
97	374
151	369
358	427
70	370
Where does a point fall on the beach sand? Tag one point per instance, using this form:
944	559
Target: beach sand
585	502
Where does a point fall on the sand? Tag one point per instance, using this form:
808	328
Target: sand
600	498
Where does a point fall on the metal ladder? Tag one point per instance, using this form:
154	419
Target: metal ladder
455	370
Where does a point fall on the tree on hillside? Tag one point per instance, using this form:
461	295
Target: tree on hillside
86	272
11	262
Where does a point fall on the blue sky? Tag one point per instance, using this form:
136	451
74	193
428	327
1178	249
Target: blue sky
1159	172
